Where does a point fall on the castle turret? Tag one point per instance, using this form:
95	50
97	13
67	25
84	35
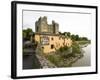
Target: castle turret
55	27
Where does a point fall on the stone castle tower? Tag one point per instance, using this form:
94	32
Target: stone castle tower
42	26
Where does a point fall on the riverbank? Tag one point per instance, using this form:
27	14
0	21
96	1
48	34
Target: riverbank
66	58
86	60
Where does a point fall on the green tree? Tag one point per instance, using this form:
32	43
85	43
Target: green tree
73	37
27	33
84	38
77	37
68	34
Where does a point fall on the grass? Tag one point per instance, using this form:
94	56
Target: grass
62	49
83	42
55	59
59	60
76	48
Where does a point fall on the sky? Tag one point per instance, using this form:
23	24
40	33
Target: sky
75	23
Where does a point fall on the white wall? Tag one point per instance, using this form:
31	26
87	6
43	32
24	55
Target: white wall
5	40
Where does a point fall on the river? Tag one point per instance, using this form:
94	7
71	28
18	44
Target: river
86	59
31	61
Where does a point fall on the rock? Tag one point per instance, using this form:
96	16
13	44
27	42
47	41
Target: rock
44	62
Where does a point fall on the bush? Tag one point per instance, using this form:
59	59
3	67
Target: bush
62	49
58	60
76	48
55	59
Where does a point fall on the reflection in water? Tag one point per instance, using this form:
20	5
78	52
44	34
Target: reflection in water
31	62
86	59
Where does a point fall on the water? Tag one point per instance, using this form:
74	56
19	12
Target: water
86	59
31	62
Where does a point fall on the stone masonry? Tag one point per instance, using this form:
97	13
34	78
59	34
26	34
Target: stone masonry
42	26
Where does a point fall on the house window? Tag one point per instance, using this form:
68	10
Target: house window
42	47
52	38
52	46
44	40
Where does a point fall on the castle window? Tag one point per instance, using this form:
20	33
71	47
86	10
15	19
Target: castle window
52	38
52	46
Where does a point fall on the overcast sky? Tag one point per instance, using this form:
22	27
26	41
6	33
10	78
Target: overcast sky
75	23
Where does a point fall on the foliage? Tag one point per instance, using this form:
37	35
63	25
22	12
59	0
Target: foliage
54	58
74	37
83	38
68	34
27	33
61	49
83	42
76	48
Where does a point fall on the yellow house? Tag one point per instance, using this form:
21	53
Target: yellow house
52	42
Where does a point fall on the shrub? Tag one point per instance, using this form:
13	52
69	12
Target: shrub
55	59
62	49
76	48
